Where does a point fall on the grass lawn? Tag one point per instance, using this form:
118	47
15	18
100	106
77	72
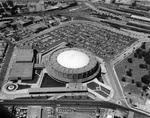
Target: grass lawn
137	115
136	71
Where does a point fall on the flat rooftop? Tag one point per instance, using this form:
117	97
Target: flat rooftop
21	70
24	55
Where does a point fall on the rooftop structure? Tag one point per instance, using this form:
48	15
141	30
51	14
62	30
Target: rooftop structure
64	73
108	1
73	59
34	112
124	1
21	71
24	55
72	65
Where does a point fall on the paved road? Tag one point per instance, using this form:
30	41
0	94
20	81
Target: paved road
67	103
118	94
6	40
6	63
64	103
51	12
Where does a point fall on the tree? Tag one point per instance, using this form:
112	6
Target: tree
142	94
130	70
145	88
143	46
133	81
142	66
10	3
147	94
147	57
139	56
116	117
145	79
130	60
123	79
135	55
138	51
138	84
129	73
130	100
143	53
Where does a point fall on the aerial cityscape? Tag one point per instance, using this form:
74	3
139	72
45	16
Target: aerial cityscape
74	58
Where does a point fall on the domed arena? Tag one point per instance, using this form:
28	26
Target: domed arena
72	65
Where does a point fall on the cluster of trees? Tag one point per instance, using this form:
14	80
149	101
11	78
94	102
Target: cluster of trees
144	84
123	79
147	57
143	46
143	66
145	79
8	8
130	60
139	84
140	52
129	72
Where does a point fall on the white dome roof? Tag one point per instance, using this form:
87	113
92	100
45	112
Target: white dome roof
73	59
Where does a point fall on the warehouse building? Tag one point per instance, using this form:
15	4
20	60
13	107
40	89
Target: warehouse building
21	71
25	56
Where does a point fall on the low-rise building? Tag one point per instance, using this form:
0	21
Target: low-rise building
22	71
128	2
1	54
108	1
25	55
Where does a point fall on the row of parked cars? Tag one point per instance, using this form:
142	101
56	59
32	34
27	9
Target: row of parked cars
3	48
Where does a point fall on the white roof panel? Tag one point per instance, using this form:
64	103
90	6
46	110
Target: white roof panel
73	59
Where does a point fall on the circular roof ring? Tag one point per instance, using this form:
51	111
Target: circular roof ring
11	87
73	59
72	65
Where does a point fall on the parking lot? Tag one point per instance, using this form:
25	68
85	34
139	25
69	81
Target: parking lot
102	42
4	62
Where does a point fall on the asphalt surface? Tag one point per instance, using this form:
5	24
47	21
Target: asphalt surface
118	94
6	63
66	103
51	12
